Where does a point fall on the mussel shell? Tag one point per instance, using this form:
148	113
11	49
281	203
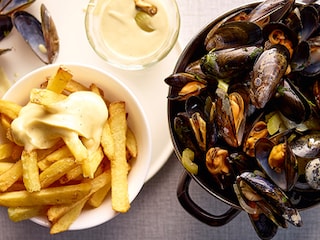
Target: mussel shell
240	15
264	227
306	146
316	92
312	68
270	11
31	31
50	34
310	21
9	6
290	35
5	26
285	179
275	198
292	104
267	73
312	173
300	57
235	34
228	63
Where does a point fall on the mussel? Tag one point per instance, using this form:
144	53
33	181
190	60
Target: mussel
42	36
230	116
267	73
234	34
278	162
231	62
9	6
5	26
268	198
270	11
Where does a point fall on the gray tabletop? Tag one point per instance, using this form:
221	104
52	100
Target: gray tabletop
156	212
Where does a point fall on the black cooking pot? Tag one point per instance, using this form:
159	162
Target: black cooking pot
194	51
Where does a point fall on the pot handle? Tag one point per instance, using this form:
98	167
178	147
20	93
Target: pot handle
191	207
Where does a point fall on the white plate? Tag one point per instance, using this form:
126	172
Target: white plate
148	85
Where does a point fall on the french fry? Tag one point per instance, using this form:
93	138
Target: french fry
107	142
94	88
74	86
131	143
8	178
5	121
59	80
90	165
76	147
45	97
63	223
56	171
49	196
6	150
30	171
43	153
17	214
5	166
72	174
9	109
44	164
60	153
57	211
60	180
119	165
97	198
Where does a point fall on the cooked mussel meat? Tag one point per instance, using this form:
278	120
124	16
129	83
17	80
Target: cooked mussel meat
278	162
258	130
218	165
230	116
185	85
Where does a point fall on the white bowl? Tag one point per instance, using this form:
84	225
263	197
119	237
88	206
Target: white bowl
128	55
114	89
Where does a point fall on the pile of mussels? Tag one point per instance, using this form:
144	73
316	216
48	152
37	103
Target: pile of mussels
251	109
42	36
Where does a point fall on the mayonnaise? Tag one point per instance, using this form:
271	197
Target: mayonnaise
82	114
122	34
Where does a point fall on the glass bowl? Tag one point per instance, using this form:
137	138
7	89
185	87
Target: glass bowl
115	36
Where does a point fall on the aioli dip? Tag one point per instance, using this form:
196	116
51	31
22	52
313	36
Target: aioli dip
122	35
81	114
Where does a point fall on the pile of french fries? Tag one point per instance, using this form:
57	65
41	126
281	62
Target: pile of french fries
51	182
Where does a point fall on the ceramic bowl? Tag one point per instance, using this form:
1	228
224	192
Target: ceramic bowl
113	89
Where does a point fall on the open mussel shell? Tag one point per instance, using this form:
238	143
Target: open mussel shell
9	6
287	176
278	26
291	101
5	26
31	30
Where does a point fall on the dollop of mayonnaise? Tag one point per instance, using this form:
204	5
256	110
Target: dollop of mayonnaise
82	114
